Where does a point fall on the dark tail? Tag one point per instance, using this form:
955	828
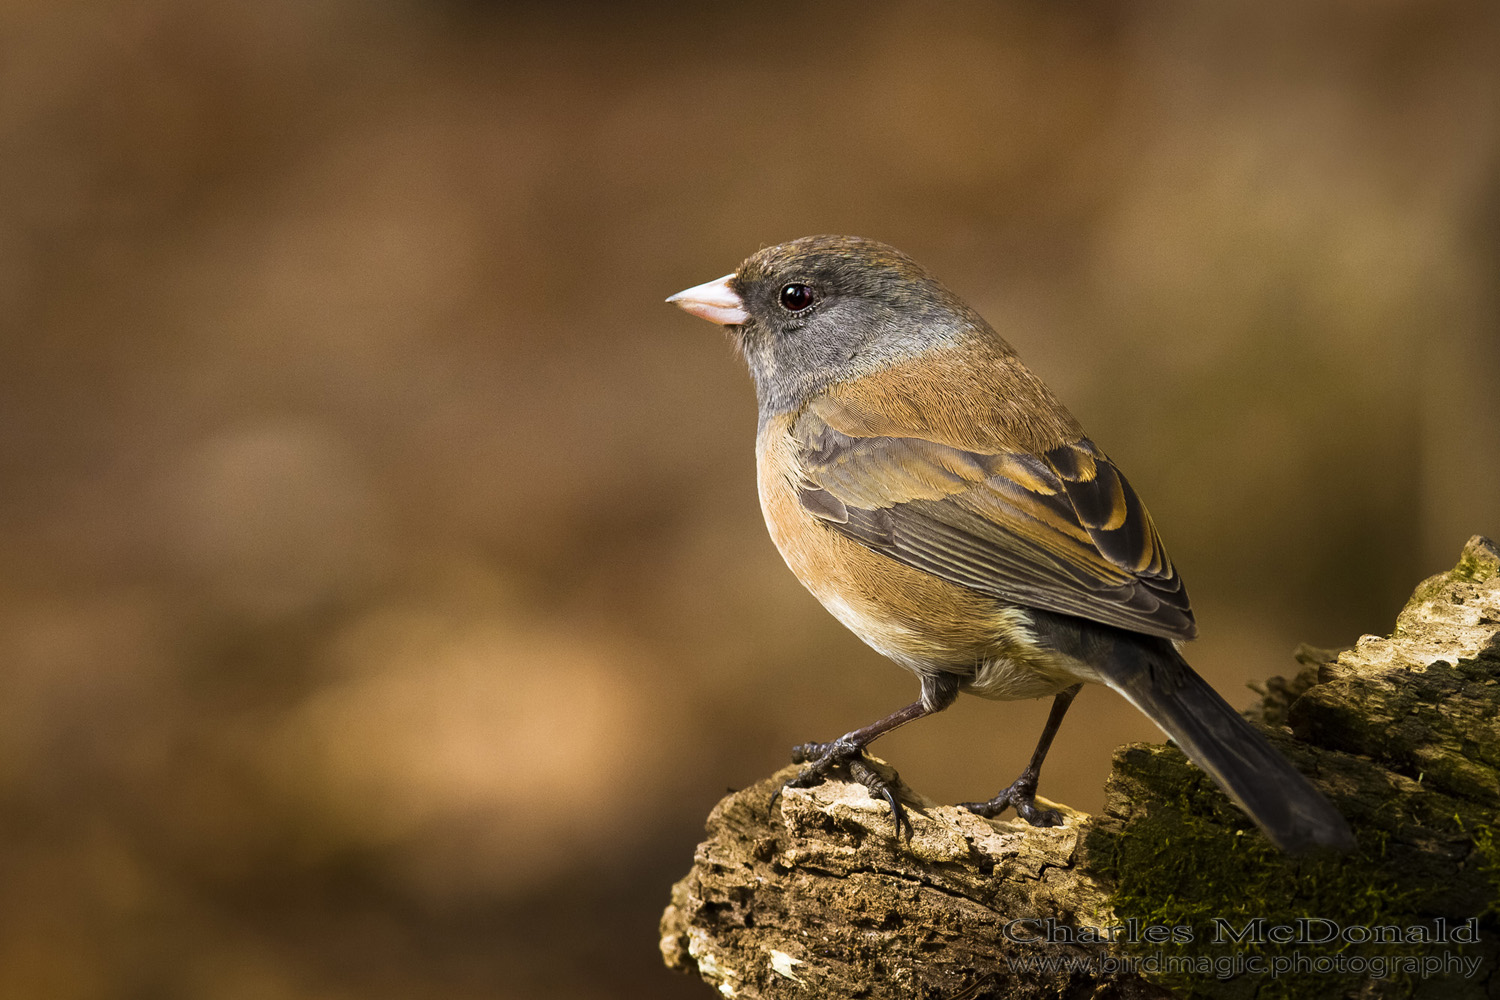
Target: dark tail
1157	680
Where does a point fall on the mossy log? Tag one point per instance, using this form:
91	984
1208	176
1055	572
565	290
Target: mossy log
1171	891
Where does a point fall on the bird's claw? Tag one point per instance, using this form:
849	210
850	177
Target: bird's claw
877	784
822	758
1020	796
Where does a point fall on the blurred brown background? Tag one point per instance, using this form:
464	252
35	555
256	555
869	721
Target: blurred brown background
385	599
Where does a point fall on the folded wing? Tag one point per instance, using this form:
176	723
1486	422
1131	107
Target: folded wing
1058	528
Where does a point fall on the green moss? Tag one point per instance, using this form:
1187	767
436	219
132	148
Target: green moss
1428	589
1475	564
1410	755
1191	859
1487	860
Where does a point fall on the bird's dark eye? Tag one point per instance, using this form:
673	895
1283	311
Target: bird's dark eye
795	297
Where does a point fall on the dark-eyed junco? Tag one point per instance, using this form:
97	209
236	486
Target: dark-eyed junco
936	497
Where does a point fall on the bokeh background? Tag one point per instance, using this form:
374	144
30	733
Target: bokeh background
383	596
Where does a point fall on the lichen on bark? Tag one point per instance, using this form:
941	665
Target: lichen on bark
813	896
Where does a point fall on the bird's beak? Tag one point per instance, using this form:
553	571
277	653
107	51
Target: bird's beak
714	301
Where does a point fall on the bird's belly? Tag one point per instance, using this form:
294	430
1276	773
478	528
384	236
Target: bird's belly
921	621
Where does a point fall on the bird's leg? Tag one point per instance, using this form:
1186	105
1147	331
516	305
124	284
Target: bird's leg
938	692
1022	792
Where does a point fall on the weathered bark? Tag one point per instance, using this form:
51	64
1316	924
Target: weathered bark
813	897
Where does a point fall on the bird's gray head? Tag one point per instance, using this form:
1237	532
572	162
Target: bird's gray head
827	309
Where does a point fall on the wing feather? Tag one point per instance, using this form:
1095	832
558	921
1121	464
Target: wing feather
1059	529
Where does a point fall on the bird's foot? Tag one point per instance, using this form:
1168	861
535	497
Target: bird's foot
823	758
1021	796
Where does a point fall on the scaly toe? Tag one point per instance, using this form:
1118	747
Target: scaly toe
994	807
1038	817
804	752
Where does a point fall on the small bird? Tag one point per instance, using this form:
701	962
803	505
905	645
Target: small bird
938	500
